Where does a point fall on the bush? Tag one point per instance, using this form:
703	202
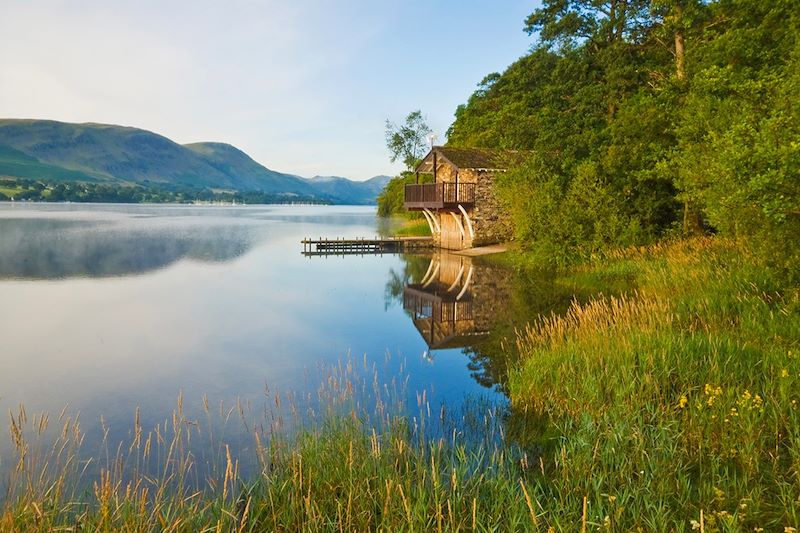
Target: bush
391	199
568	217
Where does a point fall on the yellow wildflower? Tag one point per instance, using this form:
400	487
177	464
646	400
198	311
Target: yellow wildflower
757	401
784	373
683	401
713	393
748	400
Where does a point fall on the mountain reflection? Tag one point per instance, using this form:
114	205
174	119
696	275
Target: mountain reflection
34	248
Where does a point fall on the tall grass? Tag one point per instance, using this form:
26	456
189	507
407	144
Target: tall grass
357	463
676	401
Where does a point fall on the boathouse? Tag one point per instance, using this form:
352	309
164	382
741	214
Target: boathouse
460	205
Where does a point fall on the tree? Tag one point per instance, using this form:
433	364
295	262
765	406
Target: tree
408	141
571	23
391	200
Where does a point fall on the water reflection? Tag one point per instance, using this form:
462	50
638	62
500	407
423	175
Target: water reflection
52	249
39	242
476	306
218	302
457	302
442	305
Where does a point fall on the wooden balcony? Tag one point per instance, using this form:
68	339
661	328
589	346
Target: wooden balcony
439	196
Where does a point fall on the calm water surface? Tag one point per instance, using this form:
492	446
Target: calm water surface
106	307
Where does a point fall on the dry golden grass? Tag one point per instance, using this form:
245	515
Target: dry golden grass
596	319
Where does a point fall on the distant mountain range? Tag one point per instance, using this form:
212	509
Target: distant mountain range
58	151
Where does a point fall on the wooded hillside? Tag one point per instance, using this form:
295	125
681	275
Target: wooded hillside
649	119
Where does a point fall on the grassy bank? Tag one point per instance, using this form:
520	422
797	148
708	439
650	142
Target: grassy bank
400	226
670	406
675	401
413	228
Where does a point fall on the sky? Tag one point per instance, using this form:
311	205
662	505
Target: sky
302	86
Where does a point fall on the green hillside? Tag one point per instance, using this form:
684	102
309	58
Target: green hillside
353	192
14	163
115	152
52	151
248	174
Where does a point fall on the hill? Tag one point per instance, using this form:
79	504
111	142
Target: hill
65	152
246	173
351	192
21	165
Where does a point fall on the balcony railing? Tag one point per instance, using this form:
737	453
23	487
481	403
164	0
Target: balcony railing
439	195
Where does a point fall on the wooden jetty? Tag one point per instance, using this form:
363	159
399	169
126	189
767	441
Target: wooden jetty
363	246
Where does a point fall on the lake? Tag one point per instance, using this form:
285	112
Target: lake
106	309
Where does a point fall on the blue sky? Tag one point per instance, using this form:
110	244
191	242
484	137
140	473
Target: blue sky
303	86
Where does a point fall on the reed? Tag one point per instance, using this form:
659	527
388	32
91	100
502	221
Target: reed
357	462
675	399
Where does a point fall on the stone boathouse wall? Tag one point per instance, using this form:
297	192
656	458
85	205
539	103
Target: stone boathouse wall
489	225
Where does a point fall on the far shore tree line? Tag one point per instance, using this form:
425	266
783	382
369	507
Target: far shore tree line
29	190
645	120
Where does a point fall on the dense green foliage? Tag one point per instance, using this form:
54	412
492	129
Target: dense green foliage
648	117
391	198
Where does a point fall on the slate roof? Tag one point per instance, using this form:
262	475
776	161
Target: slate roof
473	158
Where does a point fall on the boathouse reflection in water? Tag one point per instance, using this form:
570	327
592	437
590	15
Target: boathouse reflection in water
456	302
